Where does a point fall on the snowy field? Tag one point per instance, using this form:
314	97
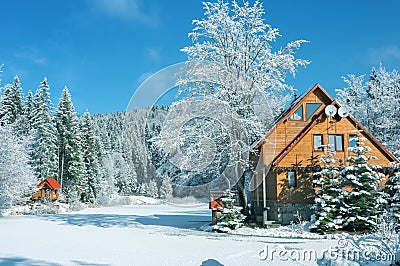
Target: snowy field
143	235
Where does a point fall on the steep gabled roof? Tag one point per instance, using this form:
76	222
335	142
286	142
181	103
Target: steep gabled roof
297	138
293	106
50	182
329	101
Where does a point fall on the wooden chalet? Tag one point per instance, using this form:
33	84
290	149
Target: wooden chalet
290	152
48	188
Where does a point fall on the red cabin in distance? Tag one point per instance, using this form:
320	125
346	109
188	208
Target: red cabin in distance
48	188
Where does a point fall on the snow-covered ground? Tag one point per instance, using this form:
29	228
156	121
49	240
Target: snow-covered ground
145	235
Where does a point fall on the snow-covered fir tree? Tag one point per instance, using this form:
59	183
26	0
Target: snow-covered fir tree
106	175
117	153
328	195
152	189
90	182
43	150
134	145
231	217
394	187
11	105
13	109
25	123
360	182
166	189
17	180
124	178
70	161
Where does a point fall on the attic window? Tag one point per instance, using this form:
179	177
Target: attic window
311	108
298	114
318	143
335	142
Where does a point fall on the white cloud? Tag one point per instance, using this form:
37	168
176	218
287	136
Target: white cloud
31	54
126	9
154	54
391	52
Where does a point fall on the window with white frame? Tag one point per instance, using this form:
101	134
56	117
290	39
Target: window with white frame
335	142
318	142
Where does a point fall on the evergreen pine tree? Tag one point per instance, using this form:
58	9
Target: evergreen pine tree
11	107
91	184
124	181
328	192
166	188
70	163
394	186
27	115
105	176
44	146
152	189
360	180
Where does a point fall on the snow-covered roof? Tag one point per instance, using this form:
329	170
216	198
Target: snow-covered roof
50	182
296	102
329	101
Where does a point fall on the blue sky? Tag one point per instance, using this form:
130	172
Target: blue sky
103	49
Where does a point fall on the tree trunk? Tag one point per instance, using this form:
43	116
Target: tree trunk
243	200
62	173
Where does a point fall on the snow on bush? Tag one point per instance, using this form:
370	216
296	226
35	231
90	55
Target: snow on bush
394	186
327	200
361	203
364	250
349	198
231	217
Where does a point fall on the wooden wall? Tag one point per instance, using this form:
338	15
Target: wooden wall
303	154
289	129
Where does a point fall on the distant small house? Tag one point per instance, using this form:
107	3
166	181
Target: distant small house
48	188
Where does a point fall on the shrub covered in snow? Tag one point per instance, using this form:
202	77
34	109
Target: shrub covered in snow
349	198
327	200
394	186
231	217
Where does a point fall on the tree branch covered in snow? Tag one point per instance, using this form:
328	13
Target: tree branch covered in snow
17	181
376	104
362	194
232	59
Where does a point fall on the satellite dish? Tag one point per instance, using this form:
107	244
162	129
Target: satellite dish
343	111
330	110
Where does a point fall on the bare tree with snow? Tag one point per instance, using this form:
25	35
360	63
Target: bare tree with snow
376	104
232	60
17	180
